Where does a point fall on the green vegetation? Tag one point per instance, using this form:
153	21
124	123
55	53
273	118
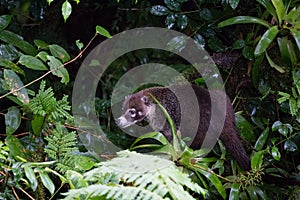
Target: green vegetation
255	45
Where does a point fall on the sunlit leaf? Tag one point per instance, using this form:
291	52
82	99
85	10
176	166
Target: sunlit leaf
14	83
32	63
280	10
66	10
275	153
266	40
257	160
59	52
84	163
75	179
47	182
234	191
243	20
102	31
262	140
58	69
31	177
4	21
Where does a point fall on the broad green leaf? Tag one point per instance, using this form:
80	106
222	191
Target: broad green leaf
234	191
84	163
182	21
12	120
4	21
12	65
280	10
17	41
58	69
8	52
287	52
76	180
269	6
47	182
289	145
293	15
276	125
273	64
275	153
296	35
262	140
79	44
102	31
257	160
214	179
14	83
173	5
59	52
32	63
238	44
152	135
41	44
37	124
49	1
159	10
245	128
43	56
266	40
234	3
170	20
31	177
66	10
248	52
243	20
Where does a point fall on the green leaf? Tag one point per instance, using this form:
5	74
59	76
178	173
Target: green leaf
17	41
41	44
37	124
182	21
84	163
293	15
102	31
234	3
248	52
274	65
234	191
256	70
245	128
66	10
4	21
12	120
238	44
266	40
289	145
47	182
31	177
296	35
12	65
32	63
59	52
268	5
262	140
257	160
43	56
293	106
76	180
288	55
243	20
159	10
275	153
58	69
79	44
14	83
214	179
152	135
173	5
280	10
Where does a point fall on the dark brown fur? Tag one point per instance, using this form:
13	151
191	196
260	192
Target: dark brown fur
229	135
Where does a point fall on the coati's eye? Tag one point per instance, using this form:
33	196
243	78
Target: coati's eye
132	112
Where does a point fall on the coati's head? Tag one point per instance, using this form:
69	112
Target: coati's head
135	108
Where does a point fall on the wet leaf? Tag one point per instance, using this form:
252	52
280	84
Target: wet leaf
159	10
4	21
59	52
274	65
31	177
170	20
289	145
266	40
234	191
275	153
262	140
47	182
102	31
257	160
182	21
234	3
280	10
66	10
243	20
296	35
173	5
58	69
12	120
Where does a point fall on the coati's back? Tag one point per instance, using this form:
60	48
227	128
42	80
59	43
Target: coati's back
169	100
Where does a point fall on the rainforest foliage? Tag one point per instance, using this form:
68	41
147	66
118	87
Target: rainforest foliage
255	45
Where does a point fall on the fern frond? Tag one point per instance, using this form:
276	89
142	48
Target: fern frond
112	192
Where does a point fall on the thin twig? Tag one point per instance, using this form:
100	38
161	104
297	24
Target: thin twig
47	73
26	193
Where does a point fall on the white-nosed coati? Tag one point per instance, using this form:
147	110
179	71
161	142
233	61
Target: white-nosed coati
140	106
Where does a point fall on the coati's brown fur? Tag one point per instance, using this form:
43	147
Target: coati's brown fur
140	105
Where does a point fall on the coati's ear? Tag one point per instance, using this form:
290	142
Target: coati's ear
145	99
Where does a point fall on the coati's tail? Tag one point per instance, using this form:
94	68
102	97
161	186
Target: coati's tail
230	138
